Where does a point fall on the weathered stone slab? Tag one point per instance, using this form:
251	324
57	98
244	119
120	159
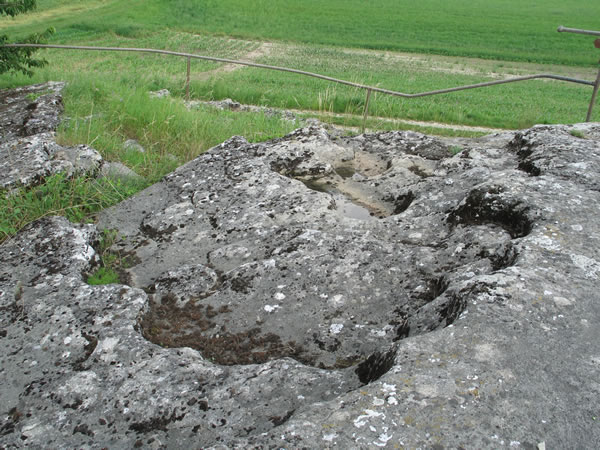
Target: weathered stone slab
30	110
28	150
29	160
29	153
457	308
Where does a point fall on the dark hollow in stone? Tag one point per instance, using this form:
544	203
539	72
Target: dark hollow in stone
401	202
530	168
375	366
489	207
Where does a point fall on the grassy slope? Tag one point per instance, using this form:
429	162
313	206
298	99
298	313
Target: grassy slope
508	106
112	88
511	30
500	29
503	29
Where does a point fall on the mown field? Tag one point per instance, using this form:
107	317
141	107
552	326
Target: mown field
457	42
506	30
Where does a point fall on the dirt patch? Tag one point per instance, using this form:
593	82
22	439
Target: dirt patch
192	325
264	49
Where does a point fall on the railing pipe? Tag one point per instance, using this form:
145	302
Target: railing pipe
562	29
593	100
310	74
366	110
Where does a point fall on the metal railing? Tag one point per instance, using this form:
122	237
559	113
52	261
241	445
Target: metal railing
369	89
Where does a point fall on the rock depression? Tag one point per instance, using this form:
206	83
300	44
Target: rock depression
320	291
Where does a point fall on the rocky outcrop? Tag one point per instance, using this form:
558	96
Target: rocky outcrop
317	291
29	153
231	105
30	110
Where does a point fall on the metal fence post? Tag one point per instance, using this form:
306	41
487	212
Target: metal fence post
596	85
593	99
187	80
366	111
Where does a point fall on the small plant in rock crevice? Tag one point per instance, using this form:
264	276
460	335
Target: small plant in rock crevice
35	95
111	261
455	150
577	134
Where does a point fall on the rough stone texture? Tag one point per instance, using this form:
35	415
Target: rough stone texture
28	151
118	171
162	93
231	105
30	110
455	306
27	161
133	145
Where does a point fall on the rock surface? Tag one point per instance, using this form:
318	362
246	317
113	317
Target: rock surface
231	105
29	153
30	110
319	291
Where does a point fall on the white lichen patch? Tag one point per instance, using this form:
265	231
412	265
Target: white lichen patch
336	328
106	347
336	301
562	301
329	437
369	414
591	267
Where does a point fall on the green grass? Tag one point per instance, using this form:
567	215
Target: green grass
578	134
78	199
143	24
107	101
505	30
104	275
110	261
511	106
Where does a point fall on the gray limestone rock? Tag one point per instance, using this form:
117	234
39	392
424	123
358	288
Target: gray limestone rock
231	105
132	144
27	161
28	150
162	93
317	291
118	171
30	110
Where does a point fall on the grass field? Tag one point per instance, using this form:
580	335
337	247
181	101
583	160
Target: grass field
457	42
503	29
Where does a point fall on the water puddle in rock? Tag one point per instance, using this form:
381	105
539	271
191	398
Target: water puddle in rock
345	205
350	209
346	172
347	186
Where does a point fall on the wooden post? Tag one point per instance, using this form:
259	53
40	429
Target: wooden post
187	80
366	111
